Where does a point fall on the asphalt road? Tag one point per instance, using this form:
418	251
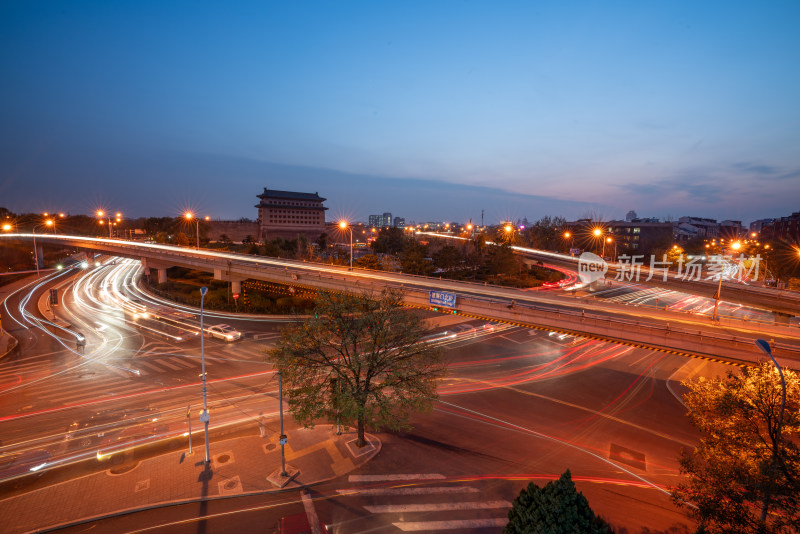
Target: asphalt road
518	405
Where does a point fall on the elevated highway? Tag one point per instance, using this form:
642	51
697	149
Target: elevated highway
782	301
727	339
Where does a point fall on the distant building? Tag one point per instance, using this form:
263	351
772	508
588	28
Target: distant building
399	222
785	229
756	226
706	228
290	214
641	236
382	221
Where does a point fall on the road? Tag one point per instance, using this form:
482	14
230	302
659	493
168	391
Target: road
517	405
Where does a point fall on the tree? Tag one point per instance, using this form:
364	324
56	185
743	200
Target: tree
390	241
368	261
414	259
181	239
447	258
359	359
555	509
744	476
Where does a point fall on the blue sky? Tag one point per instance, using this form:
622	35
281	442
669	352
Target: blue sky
430	110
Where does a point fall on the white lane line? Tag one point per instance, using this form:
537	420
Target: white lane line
435	507
165	363
463	524
186	363
150	365
388	478
433	490
311	513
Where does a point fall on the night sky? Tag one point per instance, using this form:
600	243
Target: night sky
429	110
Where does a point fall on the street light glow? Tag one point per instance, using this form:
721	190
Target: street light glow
189	215
343	225
508	228
567	235
100	213
736	245
597	232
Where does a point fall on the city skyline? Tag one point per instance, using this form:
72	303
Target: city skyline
434	112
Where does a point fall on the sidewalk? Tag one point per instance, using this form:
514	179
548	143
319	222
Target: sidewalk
238	467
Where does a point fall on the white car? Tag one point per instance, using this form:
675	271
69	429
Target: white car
224	332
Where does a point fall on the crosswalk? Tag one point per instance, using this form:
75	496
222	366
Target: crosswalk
41	382
425	502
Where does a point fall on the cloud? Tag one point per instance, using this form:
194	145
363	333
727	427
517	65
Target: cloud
766	172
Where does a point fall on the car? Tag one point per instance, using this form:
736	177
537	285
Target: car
224	332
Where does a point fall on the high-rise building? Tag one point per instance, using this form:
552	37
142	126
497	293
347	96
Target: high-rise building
374	221
399	222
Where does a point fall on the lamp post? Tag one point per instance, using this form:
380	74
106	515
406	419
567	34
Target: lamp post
107	217
282	436
189	216
344	226
734	246
609	240
766	349
568	235
48	222
204	417
598	233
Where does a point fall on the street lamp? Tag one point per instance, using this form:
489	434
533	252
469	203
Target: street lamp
734	246
204	417
103	216
609	240
48	222
189	216
764	346
344	226
568	235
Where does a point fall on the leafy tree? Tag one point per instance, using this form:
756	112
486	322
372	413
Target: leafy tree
558	508
368	261
744	476
447	258
358	359
546	233
414	259
501	260
390	241
181	239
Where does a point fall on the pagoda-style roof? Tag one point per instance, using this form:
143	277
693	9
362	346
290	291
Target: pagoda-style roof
290	195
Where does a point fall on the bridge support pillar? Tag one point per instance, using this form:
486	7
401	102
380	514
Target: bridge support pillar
162	276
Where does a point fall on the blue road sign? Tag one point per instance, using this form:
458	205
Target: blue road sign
440	298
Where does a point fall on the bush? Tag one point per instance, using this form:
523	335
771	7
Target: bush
558	508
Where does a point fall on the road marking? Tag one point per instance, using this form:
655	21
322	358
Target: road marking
165	363
311	513
433	490
413	526
387	478
435	507
150	365
186	363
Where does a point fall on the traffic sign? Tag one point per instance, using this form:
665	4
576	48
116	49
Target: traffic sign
440	298
235	296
